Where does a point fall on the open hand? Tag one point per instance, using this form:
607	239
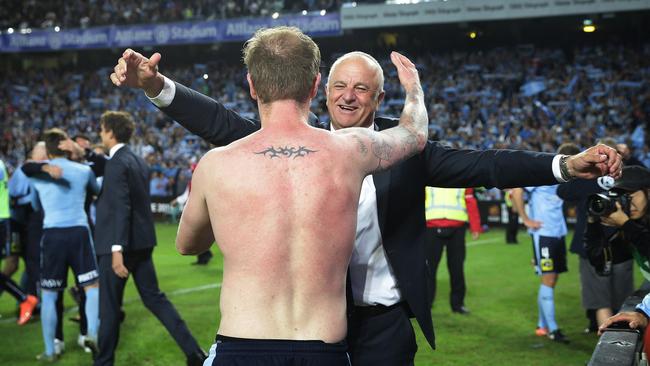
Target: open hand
136	71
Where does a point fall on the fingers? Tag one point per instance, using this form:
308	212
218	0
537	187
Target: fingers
121	271
115	80
616	168
154	59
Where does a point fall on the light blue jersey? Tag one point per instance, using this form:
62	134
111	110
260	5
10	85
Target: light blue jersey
63	199
22	189
645	305
545	206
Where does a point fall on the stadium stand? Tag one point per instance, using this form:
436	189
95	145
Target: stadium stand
515	97
88	13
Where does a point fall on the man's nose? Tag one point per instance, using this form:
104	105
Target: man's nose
349	95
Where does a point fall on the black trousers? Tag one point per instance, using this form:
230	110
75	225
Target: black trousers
381	336
512	227
454	240
111	292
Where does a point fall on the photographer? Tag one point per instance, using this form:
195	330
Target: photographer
619	225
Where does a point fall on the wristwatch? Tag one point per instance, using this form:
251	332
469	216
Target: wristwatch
564	169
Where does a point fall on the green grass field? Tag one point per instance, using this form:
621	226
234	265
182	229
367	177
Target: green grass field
502	293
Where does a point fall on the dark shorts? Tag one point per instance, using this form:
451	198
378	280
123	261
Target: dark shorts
228	351
5	236
67	247
549	253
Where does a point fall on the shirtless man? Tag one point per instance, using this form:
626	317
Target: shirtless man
282	207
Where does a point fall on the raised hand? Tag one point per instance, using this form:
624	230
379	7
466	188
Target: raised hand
595	162
407	73
136	71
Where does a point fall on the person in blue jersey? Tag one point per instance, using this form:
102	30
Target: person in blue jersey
547	228
66	240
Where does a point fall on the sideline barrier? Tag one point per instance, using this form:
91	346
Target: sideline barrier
621	347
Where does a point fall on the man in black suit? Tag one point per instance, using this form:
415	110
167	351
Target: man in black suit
389	274
124	241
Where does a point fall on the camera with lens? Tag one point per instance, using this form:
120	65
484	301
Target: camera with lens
603	204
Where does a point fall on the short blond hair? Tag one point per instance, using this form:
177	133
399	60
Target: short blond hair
283	63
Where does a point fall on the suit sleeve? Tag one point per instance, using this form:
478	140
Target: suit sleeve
116	189
447	167
98	162
207	118
578	189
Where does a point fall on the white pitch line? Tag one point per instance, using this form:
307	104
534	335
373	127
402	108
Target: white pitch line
482	242
181	291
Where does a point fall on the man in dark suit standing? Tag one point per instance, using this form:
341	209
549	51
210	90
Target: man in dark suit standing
389	274
124	241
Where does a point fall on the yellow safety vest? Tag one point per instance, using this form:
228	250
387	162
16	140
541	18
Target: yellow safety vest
445	203
4	193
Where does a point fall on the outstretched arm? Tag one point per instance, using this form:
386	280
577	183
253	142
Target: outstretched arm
199	114
380	150
194	231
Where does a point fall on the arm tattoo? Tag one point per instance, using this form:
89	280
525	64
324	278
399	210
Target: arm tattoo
286	151
363	149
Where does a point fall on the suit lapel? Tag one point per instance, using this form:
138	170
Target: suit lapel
382	185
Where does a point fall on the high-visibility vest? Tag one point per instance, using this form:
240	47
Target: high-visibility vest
4	193
445	203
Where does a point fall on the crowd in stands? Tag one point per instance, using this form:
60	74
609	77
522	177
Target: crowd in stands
92	13
521	98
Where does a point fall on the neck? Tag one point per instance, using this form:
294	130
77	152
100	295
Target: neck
283	113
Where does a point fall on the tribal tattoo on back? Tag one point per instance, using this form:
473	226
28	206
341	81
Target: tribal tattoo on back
286	151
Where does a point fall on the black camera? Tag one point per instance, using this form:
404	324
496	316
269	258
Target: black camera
603	204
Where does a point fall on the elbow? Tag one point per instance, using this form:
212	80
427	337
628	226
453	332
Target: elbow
183	249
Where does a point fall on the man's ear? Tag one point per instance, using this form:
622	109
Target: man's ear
251	87
314	88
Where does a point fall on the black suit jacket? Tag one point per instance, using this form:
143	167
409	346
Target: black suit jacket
123	207
400	190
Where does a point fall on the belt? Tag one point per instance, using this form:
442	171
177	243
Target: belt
374	310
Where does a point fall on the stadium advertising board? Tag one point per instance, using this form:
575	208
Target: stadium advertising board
163	34
369	16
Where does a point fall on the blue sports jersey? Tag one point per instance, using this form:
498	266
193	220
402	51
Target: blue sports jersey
544	205
63	199
22	189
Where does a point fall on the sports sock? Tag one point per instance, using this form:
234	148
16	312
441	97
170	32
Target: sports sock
547	304
48	319
92	311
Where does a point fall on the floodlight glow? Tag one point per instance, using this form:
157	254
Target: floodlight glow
589	28
275	15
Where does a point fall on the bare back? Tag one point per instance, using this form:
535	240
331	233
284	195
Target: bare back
288	240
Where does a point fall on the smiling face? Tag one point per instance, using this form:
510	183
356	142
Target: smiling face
354	91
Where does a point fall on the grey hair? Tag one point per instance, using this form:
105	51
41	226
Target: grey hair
371	60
